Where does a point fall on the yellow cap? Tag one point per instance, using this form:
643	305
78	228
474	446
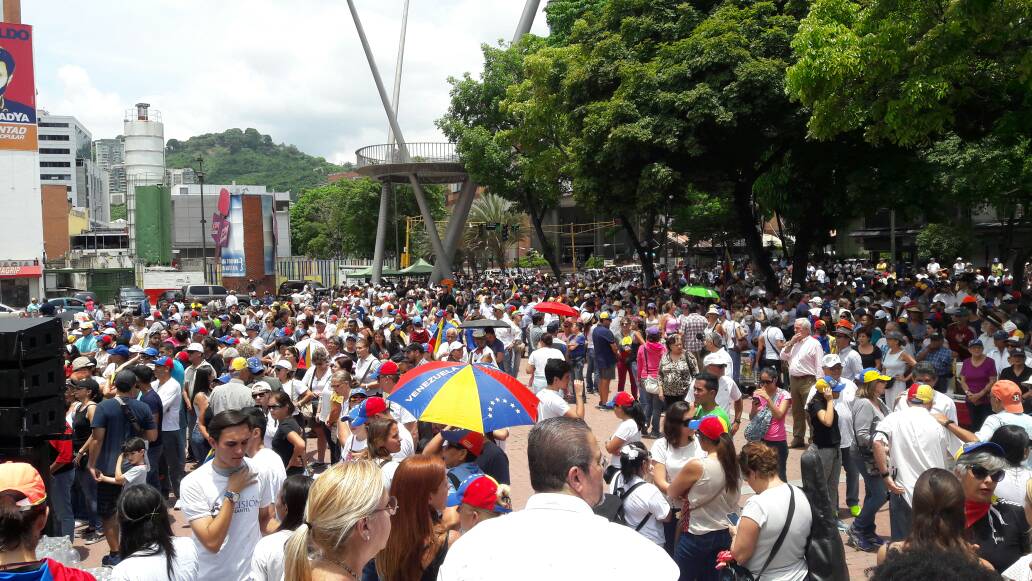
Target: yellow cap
237	364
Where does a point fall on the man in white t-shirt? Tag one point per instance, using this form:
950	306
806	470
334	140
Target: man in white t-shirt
550	401
171	394
225	501
537	361
267	464
914	441
728	394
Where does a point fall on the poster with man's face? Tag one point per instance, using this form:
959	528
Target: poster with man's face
17	89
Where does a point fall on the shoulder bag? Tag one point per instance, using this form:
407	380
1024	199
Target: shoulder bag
735	572
649	383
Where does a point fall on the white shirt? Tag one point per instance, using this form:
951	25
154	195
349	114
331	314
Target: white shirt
916	443
137	567
269	466
769	510
644	501
727	392
551	405
171	396
674	459
476	555
628	432
538	359
941	403
1004	418
202	492
267	561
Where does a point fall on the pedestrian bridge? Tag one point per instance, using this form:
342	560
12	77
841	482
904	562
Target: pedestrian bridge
433	163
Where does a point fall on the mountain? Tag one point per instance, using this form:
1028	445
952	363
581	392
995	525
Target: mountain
248	157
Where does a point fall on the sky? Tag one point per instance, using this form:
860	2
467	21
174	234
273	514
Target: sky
292	69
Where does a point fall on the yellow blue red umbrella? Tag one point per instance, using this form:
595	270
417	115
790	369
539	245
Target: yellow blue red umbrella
475	396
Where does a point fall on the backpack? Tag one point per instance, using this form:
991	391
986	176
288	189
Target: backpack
611	508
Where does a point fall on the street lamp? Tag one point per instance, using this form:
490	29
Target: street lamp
204	237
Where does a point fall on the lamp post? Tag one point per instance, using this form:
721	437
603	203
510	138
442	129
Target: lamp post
204	237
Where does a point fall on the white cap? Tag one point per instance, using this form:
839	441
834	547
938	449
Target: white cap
110	331
455	345
817	301
831	360
135	349
195	347
284	364
240	327
716	358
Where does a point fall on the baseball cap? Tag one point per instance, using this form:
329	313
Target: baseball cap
260	387
623	399
975	343
239	327
717	358
284	364
369	408
183	357
23	480
165	362
971	447
828	383
713	310
710	426
455	345
81	363
920	393
468	439
237	364
1016	353
871	374
195	347
481	491
358	391
603	315
227	340
150	352
224	378
119	350
255	365
831	360
86	383
388	368
1009	395
480	332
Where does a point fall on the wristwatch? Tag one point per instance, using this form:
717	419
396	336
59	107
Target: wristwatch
232	496
884	474
947	423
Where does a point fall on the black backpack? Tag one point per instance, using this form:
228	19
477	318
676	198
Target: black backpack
612	509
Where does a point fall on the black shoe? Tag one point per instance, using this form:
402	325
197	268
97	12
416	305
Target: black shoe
111	559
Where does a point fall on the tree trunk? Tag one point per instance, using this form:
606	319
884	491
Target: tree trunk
801	255
754	238
548	250
647	266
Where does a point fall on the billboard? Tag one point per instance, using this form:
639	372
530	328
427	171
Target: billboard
17	89
233	253
268	236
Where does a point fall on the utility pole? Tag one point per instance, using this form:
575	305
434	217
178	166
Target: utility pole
204	238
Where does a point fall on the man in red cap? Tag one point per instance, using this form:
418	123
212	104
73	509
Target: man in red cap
22	491
482	498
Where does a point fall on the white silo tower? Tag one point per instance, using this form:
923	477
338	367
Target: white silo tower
144	157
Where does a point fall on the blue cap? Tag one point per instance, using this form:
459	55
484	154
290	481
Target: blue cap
109	324
417	320
227	340
119	350
254	327
255	365
150	352
370	407
836	386
165	362
224	378
991	447
358	391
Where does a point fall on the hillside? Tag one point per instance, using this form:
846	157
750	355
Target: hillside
248	157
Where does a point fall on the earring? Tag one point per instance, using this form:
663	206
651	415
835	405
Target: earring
365	537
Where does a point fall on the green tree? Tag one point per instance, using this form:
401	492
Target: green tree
492	243
514	149
943	240
340	219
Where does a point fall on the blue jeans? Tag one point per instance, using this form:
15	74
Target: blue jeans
901	517
653	408
875	495
589	376
781	446
696	555
198	445
61	500
174	457
852	478
512	361
88	485
154	463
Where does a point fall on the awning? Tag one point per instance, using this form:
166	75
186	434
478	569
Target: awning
29	271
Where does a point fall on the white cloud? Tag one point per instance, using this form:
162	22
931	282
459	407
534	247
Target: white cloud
294	70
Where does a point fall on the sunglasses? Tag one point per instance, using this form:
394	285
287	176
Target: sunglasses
277	406
981	473
766	381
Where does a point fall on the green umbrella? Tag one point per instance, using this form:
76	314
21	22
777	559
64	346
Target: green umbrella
701	292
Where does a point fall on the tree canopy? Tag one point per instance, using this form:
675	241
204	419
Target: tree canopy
249	157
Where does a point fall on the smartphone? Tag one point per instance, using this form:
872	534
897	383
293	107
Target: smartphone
732	517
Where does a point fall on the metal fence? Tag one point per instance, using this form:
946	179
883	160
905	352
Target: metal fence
419	152
326	271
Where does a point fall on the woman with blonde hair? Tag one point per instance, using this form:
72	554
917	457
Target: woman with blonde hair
347	522
419	541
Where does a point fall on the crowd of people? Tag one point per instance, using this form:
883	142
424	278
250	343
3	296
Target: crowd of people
917	387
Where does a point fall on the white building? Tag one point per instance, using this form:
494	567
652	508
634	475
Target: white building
144	138
63	140
109	154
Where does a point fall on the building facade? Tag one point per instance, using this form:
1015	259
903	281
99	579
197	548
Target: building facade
64	144
109	155
186	211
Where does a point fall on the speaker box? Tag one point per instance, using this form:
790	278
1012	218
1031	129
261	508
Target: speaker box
32	338
34	418
42	378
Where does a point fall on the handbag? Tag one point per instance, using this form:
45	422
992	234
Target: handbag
735	572
650	384
759	424
308	410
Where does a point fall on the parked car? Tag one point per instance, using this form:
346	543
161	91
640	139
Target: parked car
7	312
203	293
66	307
129	298
85	296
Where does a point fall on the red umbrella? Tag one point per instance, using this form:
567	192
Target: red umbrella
556	309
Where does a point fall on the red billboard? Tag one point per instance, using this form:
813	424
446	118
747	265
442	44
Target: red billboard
17	89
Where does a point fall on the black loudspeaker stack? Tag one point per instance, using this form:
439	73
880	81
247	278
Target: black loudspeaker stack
32	380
